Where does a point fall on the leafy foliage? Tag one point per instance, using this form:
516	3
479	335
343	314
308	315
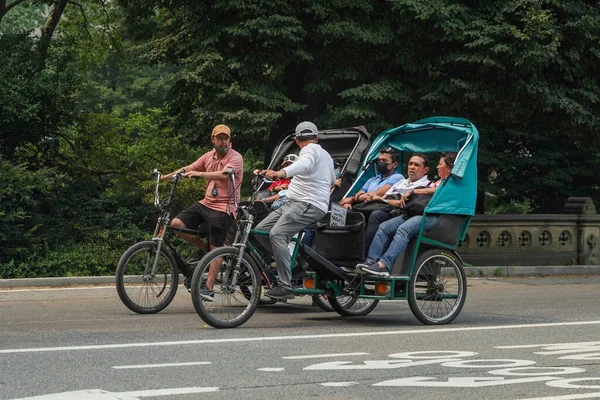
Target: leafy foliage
131	85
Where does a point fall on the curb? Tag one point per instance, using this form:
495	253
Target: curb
503	271
541	270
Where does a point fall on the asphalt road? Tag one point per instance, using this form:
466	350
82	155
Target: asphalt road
519	338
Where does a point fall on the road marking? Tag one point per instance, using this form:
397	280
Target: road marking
296	337
462	382
324	355
568	397
267	369
97	394
339	384
143	366
168	392
57	289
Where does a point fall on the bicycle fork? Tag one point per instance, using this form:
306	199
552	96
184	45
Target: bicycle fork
159	234
241	245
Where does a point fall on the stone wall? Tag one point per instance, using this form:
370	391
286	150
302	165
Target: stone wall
535	239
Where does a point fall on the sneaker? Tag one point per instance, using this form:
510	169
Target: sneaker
280	293
365	264
207	294
375	269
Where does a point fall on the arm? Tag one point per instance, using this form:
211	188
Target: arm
347	201
209	176
406	196
186	169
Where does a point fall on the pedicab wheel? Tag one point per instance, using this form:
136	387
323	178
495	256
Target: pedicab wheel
438	287
226	305
141	290
352	306
321	301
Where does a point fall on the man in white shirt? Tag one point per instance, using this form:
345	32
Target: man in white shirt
307	202
417	169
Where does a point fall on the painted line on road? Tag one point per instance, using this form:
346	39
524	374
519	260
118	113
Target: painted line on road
568	397
296	337
58	289
143	366
582	345
324	355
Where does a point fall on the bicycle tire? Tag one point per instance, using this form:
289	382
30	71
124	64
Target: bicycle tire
321	301
352	306
230	307
141	293
438	287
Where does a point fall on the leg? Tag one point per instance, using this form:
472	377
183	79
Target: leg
405	232
375	219
190	218
218	225
295	216
382	239
266	225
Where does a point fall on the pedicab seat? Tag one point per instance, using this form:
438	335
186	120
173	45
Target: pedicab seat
446	231
341	245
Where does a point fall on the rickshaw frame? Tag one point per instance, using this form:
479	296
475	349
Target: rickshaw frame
454	198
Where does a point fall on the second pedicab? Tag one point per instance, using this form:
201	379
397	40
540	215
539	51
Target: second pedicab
429	274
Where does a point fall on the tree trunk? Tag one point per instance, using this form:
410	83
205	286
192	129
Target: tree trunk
48	30
5	8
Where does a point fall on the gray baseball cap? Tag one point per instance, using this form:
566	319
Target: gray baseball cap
306	128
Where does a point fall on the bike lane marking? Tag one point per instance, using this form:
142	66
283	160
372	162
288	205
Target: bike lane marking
97	394
324	355
144	366
568	397
295	337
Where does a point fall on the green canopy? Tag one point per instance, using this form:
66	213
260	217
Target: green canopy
434	135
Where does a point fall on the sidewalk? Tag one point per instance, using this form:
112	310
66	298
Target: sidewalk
470	271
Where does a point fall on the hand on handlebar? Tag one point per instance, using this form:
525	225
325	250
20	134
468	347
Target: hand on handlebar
192	174
269	173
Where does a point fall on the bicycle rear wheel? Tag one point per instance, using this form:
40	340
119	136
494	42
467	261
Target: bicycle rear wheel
438	287
226	305
140	290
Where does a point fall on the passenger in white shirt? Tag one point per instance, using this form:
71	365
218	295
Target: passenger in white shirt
307	202
418	166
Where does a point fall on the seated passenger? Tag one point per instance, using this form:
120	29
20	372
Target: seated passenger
283	183
417	169
381	183
394	235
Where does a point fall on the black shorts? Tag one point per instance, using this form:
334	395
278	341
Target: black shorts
218	222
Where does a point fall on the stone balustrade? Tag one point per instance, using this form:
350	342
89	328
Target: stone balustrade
535	239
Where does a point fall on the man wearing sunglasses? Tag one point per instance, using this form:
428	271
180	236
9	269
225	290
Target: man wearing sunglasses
387	176
307	202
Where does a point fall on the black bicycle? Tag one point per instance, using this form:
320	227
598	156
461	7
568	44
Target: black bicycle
147	274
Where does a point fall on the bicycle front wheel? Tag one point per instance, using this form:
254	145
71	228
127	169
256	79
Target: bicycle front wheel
140	289
219	300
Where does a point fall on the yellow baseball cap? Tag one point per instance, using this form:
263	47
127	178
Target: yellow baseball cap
221	129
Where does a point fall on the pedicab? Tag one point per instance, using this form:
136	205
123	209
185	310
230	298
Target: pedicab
429	274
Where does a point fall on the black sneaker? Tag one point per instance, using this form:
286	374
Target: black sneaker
207	294
280	293
365	264
375	269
